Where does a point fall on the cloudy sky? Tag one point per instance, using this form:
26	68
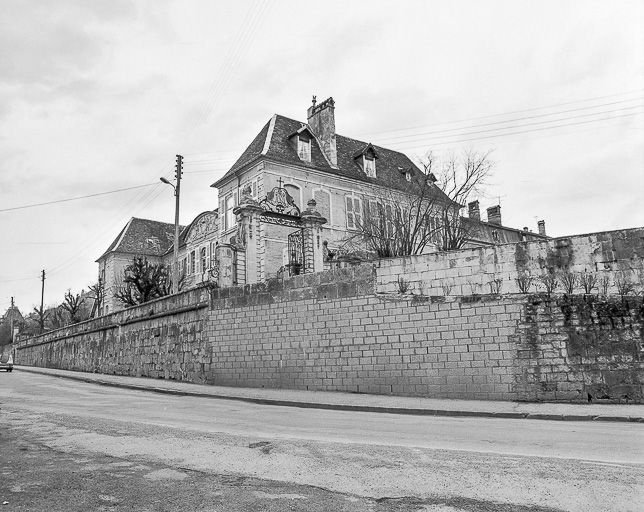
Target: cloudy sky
97	96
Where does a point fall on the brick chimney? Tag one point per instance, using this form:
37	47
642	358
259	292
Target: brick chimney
473	210
542	227
494	214
321	119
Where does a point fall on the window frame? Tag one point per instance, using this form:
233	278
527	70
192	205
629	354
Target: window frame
369	170
304	149
203	258
351	214
229	216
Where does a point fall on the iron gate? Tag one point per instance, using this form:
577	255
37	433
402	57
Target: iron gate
296	253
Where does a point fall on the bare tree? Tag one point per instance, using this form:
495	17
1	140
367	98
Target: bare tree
143	281
73	304
425	212
461	178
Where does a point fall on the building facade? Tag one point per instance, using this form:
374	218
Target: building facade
294	202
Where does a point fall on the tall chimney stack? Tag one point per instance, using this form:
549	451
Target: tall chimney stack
473	210
494	214
321	119
542	227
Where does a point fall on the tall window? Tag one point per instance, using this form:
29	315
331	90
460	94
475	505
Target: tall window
354	212
304	148
370	166
375	217
192	262
213	253
229	217
202	257
389	221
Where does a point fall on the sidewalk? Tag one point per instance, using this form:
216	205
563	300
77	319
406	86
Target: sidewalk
363	402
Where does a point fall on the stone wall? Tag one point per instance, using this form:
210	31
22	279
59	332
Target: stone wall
611	255
332	331
156	339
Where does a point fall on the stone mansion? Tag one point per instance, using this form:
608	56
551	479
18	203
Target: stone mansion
287	205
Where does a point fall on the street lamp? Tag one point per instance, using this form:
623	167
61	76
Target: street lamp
177	188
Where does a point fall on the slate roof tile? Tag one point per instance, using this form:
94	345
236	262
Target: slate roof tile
388	166
144	237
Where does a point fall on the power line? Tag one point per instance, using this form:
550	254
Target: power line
532	109
566	118
34	205
519	132
520	119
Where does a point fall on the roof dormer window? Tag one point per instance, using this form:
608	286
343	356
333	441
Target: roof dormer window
304	147
367	157
369	165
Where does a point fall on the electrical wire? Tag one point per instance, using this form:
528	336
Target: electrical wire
33	205
512	112
523	131
513	127
520	119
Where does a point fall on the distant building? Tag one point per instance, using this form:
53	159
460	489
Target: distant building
139	237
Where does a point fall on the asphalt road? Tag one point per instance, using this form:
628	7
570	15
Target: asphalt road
67	445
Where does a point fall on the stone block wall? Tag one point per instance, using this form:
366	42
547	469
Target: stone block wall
333	331
161	339
612	255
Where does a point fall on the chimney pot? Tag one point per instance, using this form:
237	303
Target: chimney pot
473	210
321	119
542	227
494	214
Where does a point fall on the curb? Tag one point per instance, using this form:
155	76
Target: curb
346	407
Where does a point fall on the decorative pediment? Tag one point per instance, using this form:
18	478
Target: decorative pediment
280	201
203	227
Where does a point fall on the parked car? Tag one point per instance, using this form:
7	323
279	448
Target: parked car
6	362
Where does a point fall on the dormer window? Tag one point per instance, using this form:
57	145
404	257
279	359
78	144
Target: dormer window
366	158
369	164
304	147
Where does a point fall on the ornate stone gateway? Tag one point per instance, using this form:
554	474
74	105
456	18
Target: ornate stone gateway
257	244
296	264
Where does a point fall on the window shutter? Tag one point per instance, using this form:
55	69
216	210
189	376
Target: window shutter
350	219
357	212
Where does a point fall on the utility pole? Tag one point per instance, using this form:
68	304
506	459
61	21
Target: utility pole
177	189
11	319
177	193
42	304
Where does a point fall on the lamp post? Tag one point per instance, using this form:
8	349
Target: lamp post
177	191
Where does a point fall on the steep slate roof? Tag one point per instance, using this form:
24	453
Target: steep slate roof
388	167
144	237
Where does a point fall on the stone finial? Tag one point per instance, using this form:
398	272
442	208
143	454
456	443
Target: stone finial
542	227
314	100
311	204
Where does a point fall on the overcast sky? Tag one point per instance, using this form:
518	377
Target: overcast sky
100	95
